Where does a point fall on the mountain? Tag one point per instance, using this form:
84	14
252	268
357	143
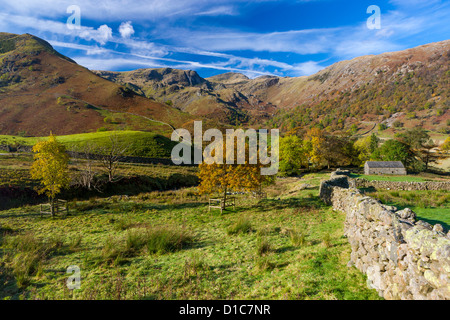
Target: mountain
214	98
42	91
405	88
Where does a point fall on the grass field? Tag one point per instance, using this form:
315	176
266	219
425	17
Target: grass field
139	143
165	245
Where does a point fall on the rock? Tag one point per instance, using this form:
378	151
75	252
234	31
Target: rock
304	186
407	214
390	208
424	224
438	228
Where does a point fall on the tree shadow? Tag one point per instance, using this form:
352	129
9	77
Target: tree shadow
313	203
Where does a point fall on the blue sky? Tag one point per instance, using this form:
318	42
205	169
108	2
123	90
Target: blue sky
276	37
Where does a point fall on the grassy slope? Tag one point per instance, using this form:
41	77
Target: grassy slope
144	144
216	266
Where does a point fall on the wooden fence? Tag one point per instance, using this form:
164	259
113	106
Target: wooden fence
59	206
222	204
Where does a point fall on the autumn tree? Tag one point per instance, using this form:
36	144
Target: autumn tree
421	146
315	142
365	147
50	166
429	154
338	151
446	145
414	138
293	155
222	178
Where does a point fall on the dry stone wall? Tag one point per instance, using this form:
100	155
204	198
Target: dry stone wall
401	185
402	257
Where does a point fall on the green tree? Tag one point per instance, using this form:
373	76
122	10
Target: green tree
392	150
414	138
293	155
51	167
365	147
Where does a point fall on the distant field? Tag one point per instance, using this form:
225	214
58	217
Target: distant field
407	178
144	144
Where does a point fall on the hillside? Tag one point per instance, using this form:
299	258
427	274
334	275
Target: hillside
42	91
409	87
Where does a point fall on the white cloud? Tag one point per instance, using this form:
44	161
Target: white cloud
306	68
126	29
218	11
102	35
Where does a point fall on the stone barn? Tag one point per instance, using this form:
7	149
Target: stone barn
384	167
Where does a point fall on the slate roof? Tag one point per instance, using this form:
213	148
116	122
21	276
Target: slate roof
385	164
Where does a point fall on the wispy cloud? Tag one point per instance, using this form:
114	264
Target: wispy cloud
122	34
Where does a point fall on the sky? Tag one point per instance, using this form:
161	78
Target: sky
257	37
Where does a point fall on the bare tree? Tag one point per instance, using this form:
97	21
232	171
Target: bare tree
111	154
86	175
429	153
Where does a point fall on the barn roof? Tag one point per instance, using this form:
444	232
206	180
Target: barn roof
385	164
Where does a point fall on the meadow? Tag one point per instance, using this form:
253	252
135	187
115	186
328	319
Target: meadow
151	236
166	245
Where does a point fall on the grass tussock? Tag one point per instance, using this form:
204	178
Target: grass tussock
28	254
157	240
242	225
298	238
264	264
263	246
326	240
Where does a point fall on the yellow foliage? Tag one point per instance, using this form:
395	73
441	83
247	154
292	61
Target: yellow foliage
222	178
316	138
446	145
50	166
